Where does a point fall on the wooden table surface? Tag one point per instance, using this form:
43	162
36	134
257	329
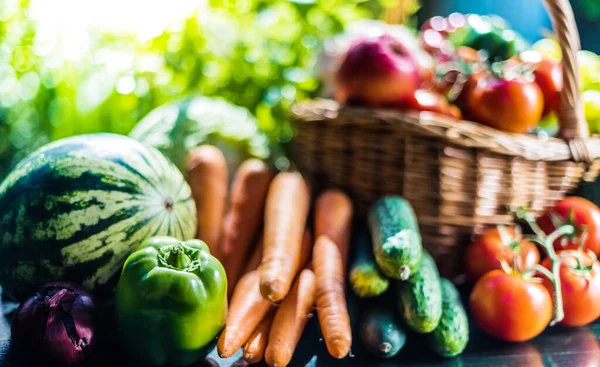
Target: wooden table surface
555	347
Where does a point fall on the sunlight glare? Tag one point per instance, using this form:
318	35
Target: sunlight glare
143	19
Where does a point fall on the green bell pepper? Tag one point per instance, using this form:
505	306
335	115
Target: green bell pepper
171	301
490	34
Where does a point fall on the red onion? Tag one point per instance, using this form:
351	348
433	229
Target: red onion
56	325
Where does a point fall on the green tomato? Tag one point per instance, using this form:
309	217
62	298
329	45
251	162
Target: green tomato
548	125
548	48
589	69
591	105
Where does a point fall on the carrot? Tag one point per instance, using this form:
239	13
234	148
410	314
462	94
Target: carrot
254	349
331	301
286	211
305	253
306	249
290	319
246	311
255	258
242	221
206	171
333	218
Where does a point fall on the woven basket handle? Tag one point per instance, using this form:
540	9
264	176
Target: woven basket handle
570	112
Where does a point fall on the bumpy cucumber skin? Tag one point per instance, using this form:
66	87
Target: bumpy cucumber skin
381	334
397	243
420	297
451	336
366	280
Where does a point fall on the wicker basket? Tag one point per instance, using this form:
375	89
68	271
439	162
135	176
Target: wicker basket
460	176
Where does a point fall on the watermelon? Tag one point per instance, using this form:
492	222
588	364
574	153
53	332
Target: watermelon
76	208
178	127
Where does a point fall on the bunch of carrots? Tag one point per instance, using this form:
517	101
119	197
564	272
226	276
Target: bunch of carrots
276	273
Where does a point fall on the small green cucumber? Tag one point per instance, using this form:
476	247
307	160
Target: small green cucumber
420	297
366	279
381	334
451	336
396	238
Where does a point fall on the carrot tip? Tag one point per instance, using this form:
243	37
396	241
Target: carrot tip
225	353
271	292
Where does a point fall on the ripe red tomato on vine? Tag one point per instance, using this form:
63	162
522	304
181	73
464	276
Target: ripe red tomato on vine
583	215
580	284
511	306
496	245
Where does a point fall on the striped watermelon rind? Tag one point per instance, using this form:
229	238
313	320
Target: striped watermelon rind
76	208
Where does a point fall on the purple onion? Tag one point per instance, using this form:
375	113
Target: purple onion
56	325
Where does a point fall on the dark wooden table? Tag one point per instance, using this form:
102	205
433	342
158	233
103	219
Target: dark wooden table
556	347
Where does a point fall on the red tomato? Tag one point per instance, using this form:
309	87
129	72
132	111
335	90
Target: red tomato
456	112
447	81
488	250
585	218
580	289
548	76
514	105
467	90
510	307
427	100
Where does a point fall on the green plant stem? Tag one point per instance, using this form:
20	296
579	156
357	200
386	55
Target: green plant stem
547	242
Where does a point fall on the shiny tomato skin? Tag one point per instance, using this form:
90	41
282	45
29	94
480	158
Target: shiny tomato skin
488	250
548	76
428	100
514	105
581	296
510	307
462	100
586	216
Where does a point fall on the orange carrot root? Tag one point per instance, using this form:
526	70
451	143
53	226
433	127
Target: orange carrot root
290	319
206	172
333	218
330	298
246	311
245	215
286	212
254	349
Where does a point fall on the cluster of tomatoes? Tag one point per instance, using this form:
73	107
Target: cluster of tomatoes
490	73
480	70
515	296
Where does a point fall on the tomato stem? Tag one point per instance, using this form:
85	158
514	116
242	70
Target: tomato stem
547	242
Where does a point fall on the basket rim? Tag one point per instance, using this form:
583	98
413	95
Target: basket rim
463	133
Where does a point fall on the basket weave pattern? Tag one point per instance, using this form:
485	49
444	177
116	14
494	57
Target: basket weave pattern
460	176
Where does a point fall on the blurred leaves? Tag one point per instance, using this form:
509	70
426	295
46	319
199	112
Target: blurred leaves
590	9
256	54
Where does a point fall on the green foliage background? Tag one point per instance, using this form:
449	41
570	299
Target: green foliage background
257	54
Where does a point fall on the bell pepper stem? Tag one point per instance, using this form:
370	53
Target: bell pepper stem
178	258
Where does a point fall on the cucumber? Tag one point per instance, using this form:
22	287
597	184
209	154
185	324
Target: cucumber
382	335
420	297
366	279
451	336
396	237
